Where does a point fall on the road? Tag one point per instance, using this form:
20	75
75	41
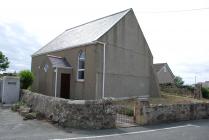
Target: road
12	127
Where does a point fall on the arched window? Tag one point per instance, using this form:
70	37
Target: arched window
81	66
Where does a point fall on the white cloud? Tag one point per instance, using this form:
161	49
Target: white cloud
17	45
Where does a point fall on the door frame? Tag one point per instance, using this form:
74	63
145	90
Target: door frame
65	86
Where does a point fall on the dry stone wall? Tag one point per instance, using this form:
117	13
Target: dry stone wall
147	114
73	113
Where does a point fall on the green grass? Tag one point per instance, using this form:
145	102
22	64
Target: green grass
126	106
16	106
126	111
167	98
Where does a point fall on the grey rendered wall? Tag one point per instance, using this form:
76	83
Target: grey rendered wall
165	77
0	89
154	83
43	80
128	60
44	83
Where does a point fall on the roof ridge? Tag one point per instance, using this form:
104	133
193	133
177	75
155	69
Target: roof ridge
98	19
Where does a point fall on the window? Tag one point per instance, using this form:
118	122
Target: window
165	70
46	68
81	66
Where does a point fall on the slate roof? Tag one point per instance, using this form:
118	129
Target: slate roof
58	62
82	34
158	66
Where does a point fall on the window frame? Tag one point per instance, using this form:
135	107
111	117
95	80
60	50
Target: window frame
78	64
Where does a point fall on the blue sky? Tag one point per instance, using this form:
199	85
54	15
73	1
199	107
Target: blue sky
177	31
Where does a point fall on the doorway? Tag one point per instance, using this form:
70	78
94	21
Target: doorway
65	86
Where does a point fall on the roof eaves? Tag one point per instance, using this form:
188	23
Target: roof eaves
62	67
48	43
70	47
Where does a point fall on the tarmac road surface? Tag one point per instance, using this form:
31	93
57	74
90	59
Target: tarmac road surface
12	127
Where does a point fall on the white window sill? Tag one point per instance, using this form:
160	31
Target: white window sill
80	80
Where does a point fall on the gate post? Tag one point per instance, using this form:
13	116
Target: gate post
141	102
198	91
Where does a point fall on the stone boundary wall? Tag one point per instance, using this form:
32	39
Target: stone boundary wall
73	113
146	114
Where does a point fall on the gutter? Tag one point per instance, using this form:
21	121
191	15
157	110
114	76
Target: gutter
104	65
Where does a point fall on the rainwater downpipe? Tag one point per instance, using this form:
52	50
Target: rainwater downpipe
55	90
103	74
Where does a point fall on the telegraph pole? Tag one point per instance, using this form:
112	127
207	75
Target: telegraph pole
195	80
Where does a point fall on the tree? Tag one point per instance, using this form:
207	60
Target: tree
26	79
178	81
205	92
4	62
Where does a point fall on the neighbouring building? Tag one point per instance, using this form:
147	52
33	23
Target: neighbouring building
164	73
205	84
107	57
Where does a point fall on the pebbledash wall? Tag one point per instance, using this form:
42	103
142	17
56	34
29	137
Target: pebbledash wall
146	114
73	113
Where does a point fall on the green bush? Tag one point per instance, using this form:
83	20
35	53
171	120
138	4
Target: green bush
126	111
205	92
26	79
178	81
188	87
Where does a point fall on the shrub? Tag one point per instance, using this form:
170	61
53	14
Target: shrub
178	81
188	87
205	92
129	112
16	106
26	79
126	111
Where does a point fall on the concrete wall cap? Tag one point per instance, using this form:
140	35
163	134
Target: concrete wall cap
11	77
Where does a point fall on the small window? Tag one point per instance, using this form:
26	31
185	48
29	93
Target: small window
81	66
165	70
46	68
